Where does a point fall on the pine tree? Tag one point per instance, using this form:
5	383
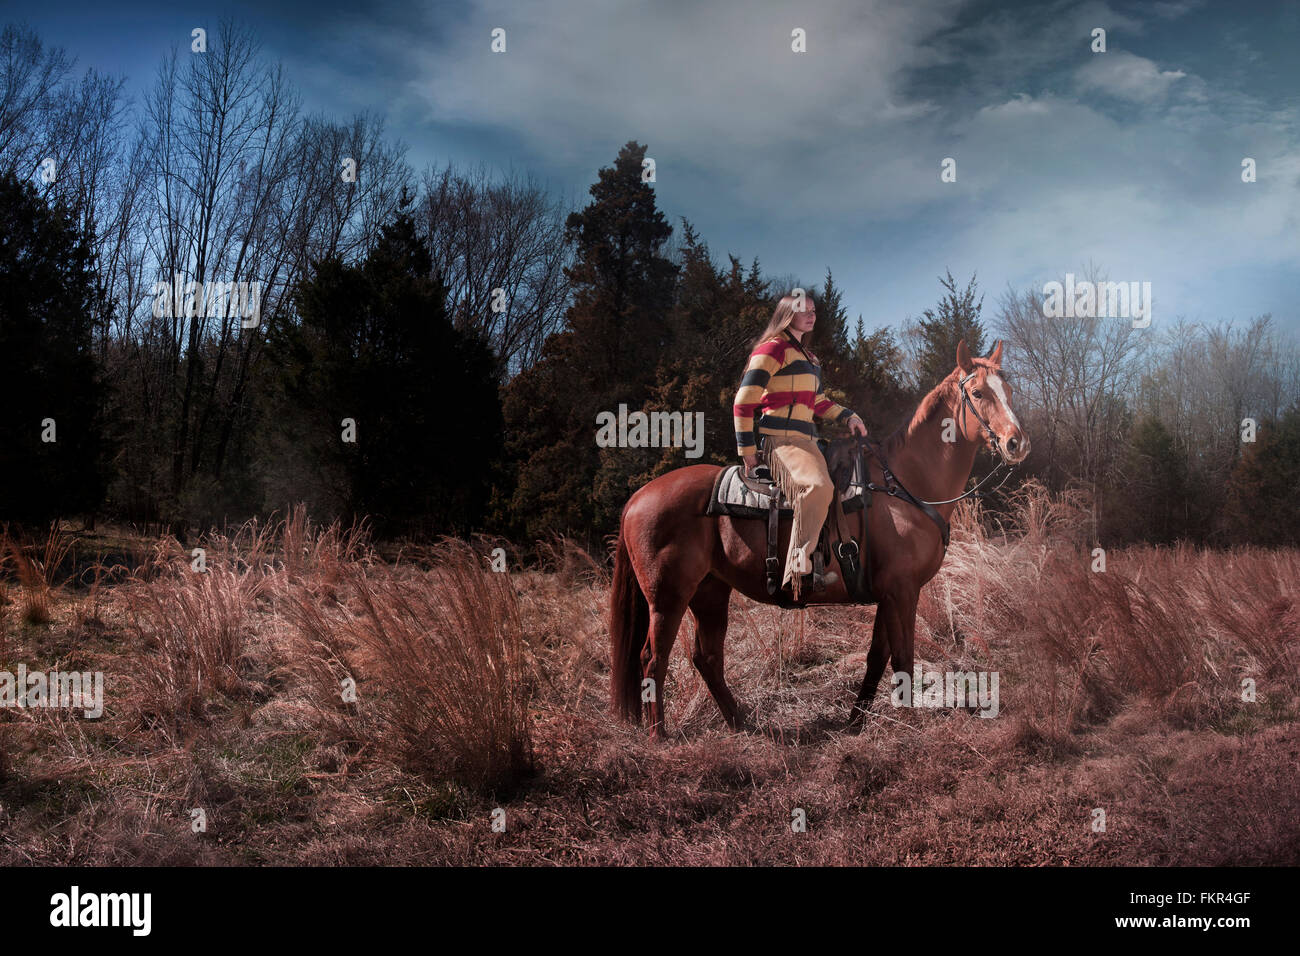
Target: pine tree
616	334
623	284
829	340
1262	507
956	318
877	388
374	345
717	313
52	453
831	334
1155	484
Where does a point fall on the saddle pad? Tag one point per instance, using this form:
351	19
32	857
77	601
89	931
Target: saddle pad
734	496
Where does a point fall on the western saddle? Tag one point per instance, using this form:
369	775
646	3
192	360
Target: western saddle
738	495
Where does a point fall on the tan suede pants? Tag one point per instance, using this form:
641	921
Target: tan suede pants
800	472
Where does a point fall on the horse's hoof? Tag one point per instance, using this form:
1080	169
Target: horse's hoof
857	720
739	721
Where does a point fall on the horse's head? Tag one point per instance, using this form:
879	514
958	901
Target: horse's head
985	404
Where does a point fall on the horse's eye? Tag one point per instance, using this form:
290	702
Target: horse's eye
977	393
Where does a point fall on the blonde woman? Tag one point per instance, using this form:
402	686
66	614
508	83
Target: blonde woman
783	383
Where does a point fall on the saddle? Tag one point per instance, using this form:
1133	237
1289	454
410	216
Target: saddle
737	495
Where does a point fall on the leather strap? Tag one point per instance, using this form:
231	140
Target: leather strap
864	556
773	563
854	555
894	488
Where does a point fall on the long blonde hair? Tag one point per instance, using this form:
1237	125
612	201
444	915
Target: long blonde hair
783	316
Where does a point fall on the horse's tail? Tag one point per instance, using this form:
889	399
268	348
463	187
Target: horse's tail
629	623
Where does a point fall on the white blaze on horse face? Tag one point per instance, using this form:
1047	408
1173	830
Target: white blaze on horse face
996	384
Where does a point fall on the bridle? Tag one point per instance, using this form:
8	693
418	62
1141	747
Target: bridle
895	489
967	403
992	438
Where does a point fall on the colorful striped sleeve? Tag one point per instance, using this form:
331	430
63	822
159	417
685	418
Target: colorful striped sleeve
765	361
824	408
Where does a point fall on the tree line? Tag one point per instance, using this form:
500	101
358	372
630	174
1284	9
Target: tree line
432	351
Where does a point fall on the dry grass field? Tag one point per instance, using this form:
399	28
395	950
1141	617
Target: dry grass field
227	692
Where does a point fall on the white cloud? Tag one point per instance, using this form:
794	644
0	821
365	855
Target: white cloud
832	157
1022	104
1126	76
693	81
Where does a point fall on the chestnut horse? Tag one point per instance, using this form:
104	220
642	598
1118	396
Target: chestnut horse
671	556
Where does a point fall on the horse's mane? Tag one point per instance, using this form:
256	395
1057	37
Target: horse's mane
942	394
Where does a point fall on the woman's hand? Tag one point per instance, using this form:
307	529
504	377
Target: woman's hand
857	426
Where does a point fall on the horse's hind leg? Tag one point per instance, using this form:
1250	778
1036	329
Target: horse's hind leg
671	559
709	606
665	619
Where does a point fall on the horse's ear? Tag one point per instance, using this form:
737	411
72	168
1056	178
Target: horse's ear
996	355
964	361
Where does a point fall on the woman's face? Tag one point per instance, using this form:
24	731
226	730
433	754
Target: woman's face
805	320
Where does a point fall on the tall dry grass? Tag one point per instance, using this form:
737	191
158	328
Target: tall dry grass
437	659
204	627
312	553
230	697
36	565
1180	627
197	626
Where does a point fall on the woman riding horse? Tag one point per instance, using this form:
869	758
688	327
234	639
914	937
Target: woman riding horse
784	380
673	556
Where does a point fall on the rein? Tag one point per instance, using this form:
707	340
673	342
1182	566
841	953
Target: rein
992	437
894	488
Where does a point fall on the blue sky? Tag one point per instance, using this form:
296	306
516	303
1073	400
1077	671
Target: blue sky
1128	159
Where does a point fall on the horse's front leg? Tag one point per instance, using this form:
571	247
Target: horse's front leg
894	637
876	658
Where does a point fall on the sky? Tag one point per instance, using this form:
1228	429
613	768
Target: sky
1128	160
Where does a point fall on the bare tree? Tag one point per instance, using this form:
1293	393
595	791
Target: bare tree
1075	376
77	126
488	234
32	79
1202	381
240	188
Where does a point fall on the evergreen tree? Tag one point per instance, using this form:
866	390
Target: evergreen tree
51	447
876	386
374	345
1262	507
623	284
830	342
831	335
1154	486
957	317
716	314
616	334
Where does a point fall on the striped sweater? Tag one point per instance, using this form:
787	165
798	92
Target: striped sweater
786	384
